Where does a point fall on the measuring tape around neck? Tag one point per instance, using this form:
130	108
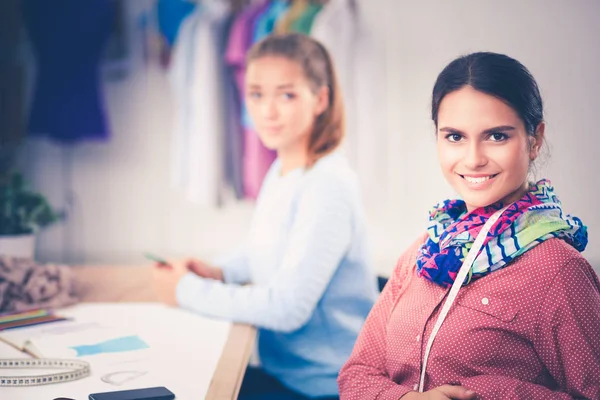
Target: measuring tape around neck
77	369
460	278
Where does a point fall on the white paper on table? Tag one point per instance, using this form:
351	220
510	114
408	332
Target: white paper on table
183	352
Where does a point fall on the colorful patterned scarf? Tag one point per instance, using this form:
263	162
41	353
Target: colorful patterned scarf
536	217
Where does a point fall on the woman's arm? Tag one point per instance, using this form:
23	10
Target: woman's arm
568	335
319	238
234	267
364	375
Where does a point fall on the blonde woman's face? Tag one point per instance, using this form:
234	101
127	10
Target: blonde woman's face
281	102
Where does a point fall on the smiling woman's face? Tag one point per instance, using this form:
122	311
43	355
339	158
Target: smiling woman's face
483	148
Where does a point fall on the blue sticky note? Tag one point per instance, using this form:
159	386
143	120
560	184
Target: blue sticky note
127	343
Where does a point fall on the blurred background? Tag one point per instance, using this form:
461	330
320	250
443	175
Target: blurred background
110	143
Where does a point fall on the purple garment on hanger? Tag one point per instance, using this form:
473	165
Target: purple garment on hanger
234	137
257	158
68	38
240	41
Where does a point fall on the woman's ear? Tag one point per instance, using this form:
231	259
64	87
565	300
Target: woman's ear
537	141
322	100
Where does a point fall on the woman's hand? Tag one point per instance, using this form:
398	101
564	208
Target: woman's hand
167	276
443	392
166	279
205	270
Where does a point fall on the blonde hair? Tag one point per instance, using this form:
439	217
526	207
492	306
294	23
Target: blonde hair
316	63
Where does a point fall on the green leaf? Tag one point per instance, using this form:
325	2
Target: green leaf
23	210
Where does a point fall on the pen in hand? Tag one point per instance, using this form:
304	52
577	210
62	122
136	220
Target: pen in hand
160	262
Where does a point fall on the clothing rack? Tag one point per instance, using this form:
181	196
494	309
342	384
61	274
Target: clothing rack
237	5
234	160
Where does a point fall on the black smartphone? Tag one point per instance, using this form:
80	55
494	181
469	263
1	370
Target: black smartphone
155	393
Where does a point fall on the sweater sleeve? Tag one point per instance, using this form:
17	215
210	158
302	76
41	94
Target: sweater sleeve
235	267
319	237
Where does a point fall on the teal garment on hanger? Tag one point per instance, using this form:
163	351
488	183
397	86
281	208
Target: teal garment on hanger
263	27
265	24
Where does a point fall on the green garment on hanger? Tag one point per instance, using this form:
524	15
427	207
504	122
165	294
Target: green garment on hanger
296	10
304	22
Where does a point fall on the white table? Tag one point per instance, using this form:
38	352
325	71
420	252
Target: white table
179	361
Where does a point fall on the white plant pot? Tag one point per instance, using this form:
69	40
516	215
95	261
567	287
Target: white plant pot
17	246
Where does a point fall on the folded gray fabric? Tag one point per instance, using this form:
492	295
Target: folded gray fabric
26	284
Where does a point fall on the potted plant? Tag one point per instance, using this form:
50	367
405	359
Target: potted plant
23	213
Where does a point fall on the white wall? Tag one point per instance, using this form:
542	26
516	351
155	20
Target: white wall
123	204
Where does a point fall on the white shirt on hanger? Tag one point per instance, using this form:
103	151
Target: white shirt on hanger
335	27
195	76
358	60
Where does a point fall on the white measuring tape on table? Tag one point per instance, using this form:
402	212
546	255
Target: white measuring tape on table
77	369
460	278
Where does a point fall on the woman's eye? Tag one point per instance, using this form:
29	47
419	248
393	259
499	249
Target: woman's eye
454	137
498	136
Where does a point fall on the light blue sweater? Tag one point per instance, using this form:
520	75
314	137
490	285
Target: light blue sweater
312	285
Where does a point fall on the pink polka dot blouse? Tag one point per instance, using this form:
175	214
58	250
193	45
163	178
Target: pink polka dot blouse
528	331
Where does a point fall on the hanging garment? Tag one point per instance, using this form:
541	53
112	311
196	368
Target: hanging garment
257	158
339	26
296	9
68	42
199	124
180	77
335	27
240	40
170	15
304	22
13	77
265	23
233	146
